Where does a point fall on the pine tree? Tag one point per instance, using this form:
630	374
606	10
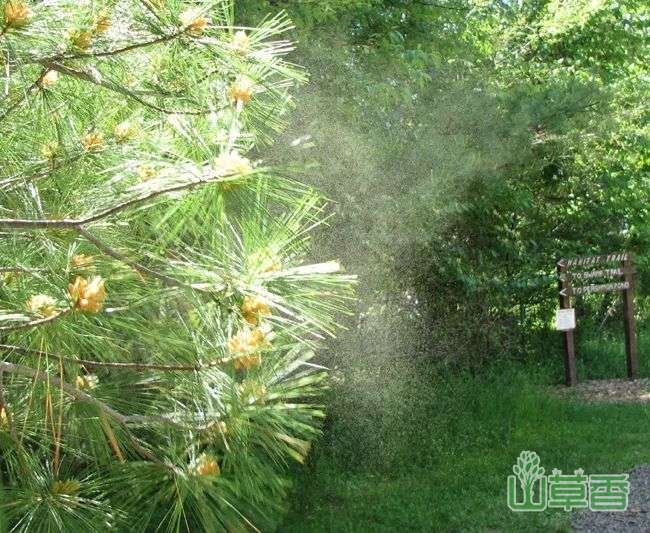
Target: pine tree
158	312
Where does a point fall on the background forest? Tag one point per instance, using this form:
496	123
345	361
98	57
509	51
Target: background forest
471	145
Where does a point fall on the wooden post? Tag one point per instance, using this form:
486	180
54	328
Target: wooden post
628	317
564	285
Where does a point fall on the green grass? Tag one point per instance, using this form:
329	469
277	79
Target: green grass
411	448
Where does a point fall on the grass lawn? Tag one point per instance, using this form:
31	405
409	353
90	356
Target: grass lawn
431	452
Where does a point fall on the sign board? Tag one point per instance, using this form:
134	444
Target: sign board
565	319
607	287
591	260
606	273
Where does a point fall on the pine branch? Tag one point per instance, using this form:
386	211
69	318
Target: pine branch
202	68
23	97
110	436
114	52
125	420
7	182
35	323
105	248
119	89
73	392
118	365
21	270
70	223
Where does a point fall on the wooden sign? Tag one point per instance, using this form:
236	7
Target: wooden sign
595	259
573	270
607	287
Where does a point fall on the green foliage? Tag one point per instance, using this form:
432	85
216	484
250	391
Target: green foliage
470	145
157	308
567	85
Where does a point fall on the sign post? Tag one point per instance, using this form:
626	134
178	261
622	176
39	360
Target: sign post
580	268
570	371
628	317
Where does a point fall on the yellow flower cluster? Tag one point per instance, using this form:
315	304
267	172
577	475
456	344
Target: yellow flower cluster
82	260
241	42
49	78
17	14
218	428
86	382
214	432
50	150
247	341
87	295
241	91
247	361
9	277
233	163
93	141
81	39
125	131
4	418
264	262
207	465
102	22
42	305
193	21
251	391
68	487
146	172
253	307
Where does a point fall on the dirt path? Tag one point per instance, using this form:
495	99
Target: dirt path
609	390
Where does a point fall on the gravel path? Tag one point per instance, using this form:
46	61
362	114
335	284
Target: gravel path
609	390
635	520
